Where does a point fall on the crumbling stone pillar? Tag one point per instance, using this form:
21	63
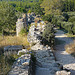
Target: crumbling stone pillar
21	23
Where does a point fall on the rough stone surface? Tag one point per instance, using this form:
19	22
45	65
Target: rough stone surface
12	49
63	73
22	51
21	66
21	23
34	36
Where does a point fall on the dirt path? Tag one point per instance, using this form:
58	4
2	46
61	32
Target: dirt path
64	58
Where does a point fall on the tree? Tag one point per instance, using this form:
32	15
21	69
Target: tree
51	6
48	17
21	9
37	9
68	5
7	17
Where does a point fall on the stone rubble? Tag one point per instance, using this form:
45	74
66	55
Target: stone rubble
21	66
8	50
34	36
63	73
22	51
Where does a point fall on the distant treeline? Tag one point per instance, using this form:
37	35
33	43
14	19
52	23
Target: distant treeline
15	8
23	0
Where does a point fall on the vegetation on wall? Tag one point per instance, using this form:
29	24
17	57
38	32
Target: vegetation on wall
48	35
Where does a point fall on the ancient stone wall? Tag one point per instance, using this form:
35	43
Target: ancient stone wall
21	23
45	59
23	65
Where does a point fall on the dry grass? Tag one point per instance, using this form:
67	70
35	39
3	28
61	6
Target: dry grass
70	48
13	40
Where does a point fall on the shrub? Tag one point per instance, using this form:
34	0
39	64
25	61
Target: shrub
59	23
60	18
54	20
66	25
73	29
47	18
72	19
48	35
71	14
66	16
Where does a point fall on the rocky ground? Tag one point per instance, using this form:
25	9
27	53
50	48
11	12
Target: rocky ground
46	64
61	55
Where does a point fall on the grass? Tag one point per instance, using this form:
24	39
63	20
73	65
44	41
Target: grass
13	40
70	48
10	40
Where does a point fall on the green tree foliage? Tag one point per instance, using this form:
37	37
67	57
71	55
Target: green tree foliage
20	9
67	23
68	5
48	35
72	19
7	17
51	6
47	17
37	9
66	16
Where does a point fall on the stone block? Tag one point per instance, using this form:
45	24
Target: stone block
63	72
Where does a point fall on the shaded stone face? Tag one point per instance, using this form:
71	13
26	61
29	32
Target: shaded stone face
21	66
8	50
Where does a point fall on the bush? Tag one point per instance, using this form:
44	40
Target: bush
60	18
73	29
67	26
66	16
47	18
71	14
54	20
48	35
72	19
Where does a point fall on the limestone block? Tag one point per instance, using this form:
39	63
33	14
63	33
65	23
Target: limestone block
63	73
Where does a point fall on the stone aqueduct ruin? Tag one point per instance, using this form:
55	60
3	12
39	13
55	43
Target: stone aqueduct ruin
21	23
